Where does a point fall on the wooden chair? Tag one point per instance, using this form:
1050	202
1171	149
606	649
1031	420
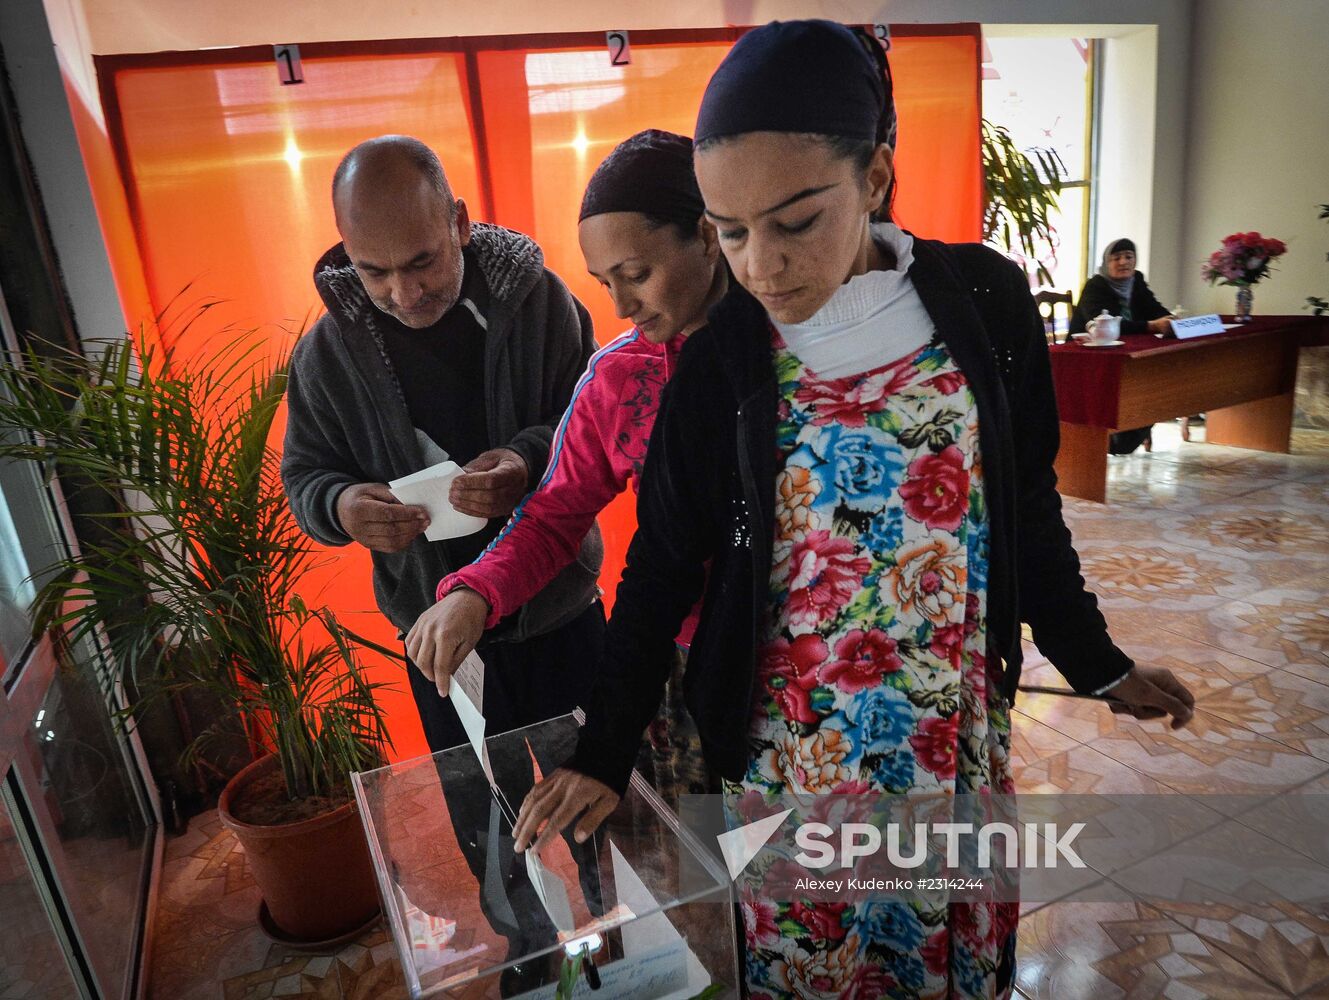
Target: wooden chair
1047	308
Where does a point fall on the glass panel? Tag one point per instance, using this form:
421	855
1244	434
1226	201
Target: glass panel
28	544
102	846
16	591
464	909
1065	258
32	962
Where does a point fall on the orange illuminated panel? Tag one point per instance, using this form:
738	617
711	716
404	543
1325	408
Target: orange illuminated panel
554	116
574	109
228	175
231	171
230	178
937	156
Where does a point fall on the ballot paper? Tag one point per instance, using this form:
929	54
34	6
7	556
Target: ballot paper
433	938
428	488
466	689
553	894
657	961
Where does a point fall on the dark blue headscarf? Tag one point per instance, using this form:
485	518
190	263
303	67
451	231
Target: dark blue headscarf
817	77
650	173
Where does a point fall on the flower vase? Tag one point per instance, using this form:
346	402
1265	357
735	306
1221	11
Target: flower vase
1245	299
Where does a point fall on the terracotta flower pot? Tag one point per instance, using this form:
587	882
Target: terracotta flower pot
315	874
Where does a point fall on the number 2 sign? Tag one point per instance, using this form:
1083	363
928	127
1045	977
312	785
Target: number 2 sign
620	53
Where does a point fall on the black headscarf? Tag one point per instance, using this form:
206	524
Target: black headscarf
650	173
817	77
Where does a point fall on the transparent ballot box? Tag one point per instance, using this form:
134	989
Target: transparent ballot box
642	901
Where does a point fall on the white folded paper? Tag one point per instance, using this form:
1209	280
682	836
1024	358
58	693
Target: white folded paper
466	688
552	892
428	488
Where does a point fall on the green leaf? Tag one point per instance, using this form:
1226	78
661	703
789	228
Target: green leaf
866	606
885	420
714	990
568	974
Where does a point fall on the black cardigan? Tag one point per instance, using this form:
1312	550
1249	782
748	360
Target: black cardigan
707	493
1098	295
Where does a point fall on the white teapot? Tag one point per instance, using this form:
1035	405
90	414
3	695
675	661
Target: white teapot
1104	328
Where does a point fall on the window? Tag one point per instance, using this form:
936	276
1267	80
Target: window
1040	90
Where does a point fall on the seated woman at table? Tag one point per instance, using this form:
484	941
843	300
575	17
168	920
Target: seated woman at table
1120	289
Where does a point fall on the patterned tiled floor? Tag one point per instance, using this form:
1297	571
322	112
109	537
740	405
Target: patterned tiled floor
1213	562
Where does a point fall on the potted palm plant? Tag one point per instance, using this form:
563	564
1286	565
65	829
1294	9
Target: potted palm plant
1020	191
194	586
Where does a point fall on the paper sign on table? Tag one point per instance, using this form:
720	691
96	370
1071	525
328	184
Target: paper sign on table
466	689
428	488
1197	326
653	940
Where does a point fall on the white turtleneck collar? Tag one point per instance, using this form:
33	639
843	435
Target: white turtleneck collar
871	320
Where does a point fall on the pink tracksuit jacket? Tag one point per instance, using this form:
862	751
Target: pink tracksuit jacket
598	450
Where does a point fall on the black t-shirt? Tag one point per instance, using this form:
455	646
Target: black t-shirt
441	370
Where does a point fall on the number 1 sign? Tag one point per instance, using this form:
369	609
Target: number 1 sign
288	64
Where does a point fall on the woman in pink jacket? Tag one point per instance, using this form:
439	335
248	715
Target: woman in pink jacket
646	241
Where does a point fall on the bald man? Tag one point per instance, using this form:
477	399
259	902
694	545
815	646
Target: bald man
443	339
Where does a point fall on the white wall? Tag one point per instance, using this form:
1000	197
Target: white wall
1258	151
152	25
1127	124
47	125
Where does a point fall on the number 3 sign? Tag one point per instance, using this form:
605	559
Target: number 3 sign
620	54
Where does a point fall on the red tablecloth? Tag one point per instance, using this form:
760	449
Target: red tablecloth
1088	379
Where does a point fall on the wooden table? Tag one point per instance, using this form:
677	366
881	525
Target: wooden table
1242	380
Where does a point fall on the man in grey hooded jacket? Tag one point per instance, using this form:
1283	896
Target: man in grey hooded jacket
442	339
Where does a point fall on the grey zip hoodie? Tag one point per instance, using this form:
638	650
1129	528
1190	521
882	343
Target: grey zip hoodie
348	422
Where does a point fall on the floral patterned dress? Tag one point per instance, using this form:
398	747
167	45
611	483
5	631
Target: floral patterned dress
873	674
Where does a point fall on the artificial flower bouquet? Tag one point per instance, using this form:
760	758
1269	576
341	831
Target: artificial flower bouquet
1243	259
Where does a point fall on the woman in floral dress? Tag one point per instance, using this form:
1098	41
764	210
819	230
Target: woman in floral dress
873	671
860	444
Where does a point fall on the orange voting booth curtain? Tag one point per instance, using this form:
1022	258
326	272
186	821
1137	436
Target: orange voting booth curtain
228	172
